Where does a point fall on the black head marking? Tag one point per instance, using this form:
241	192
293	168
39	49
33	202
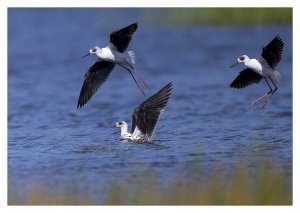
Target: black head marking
242	58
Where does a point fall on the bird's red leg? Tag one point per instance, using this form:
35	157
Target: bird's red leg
257	100
138	75
267	99
270	94
140	88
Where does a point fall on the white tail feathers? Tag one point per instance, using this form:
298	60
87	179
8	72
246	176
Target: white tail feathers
132	56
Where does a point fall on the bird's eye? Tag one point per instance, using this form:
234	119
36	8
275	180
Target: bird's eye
120	123
94	49
242	58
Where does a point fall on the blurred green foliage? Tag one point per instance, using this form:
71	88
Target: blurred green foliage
219	16
266	185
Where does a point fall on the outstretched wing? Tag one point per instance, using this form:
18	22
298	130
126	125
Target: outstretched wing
146	115
246	78
272	53
121	38
94	78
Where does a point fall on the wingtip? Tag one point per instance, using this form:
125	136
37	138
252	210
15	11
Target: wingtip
234	86
168	87
135	25
79	106
170	84
278	38
231	86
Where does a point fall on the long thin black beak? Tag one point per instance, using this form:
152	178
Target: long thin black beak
86	55
234	64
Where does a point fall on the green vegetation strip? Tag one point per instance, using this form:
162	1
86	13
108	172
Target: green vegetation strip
267	185
219	16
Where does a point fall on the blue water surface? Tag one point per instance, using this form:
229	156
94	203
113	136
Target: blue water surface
206	124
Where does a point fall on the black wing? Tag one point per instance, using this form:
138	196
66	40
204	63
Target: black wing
246	78
121	38
146	115
94	78
272	53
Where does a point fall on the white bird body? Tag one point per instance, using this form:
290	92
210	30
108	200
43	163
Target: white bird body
261	67
136	133
124	131
253	64
125	135
107	55
114	56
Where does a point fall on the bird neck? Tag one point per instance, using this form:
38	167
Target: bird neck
99	52
124	129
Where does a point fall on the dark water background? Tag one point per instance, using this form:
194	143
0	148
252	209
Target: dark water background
206	124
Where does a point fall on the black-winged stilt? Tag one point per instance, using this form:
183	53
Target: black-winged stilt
108	57
264	67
